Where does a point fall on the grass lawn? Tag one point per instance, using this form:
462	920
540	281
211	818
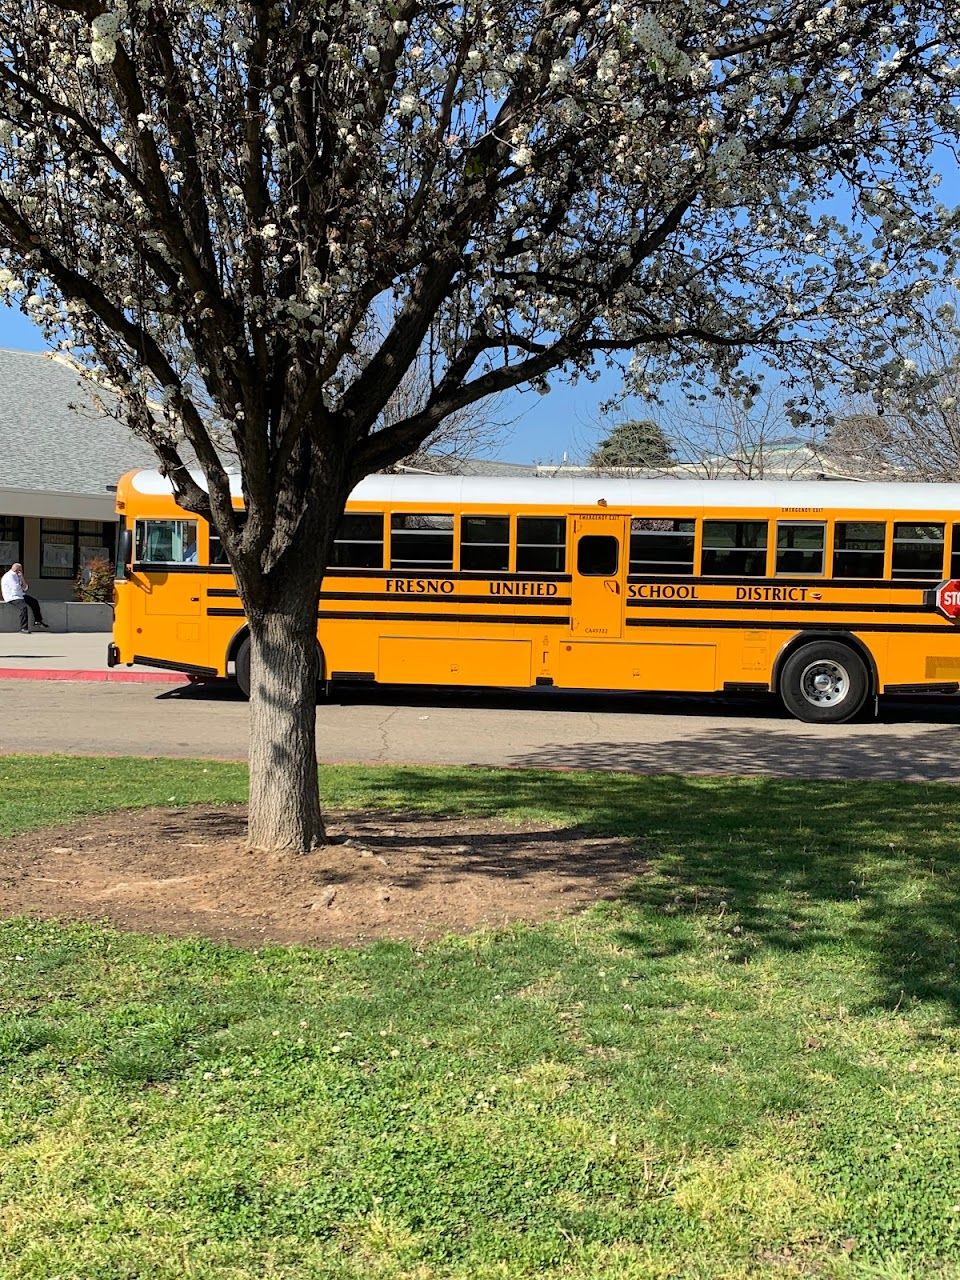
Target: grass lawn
749	1066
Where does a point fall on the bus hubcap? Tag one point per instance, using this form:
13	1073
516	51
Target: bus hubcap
823	684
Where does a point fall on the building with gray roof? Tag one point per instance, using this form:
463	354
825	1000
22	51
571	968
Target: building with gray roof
60	459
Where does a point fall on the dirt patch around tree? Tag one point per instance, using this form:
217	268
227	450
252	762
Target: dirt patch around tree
188	873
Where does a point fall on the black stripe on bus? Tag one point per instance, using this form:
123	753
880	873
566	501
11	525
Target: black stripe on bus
633	602
157	566
152	566
449	596
190	668
941	686
871	584
707	624
443	577
227	593
795	606
448	575
547	619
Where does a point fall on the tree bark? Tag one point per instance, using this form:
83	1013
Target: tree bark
284	790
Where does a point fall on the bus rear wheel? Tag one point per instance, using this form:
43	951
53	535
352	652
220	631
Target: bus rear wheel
824	683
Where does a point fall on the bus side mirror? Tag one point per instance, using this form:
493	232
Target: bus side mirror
126	548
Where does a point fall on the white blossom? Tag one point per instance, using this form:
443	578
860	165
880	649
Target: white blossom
103	32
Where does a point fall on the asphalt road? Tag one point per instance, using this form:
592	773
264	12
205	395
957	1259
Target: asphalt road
909	741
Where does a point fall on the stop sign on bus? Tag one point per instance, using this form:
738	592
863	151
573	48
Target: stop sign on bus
948	598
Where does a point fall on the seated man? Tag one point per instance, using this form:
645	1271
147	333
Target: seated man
13	589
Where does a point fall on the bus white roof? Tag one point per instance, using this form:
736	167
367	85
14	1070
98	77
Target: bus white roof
580	492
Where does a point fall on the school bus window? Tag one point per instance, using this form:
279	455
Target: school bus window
735	548
918	551
661	546
485	544
955	553
800	548
598	556
166	541
217	553
358	543
858	548
421	541
541	544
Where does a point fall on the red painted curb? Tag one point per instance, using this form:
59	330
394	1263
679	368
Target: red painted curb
129	677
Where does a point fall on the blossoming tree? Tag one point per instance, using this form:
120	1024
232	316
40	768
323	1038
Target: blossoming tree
215	205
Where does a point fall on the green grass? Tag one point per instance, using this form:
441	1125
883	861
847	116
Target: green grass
748	1066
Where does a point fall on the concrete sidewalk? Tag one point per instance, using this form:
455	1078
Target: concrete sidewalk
71	655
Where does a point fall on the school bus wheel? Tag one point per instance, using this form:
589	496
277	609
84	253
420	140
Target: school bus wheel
824	683
242	668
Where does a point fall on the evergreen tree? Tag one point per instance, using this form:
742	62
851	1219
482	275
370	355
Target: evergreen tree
637	442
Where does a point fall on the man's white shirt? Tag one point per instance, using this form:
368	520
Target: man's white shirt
11	587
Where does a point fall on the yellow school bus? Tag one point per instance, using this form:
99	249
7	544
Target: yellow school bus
825	593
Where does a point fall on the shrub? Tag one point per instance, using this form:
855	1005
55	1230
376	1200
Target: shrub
94	583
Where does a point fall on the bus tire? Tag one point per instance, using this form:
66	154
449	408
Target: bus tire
242	667
824	683
242	670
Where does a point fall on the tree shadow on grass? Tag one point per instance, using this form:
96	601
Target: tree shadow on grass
872	867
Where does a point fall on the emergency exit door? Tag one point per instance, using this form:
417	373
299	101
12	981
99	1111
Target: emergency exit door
599	568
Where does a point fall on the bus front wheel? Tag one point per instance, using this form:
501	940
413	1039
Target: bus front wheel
824	683
242	669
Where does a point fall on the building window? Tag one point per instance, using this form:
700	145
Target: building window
67	546
11	541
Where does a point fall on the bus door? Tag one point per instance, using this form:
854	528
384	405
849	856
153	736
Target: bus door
165	570
600	551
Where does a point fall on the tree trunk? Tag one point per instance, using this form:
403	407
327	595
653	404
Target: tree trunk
284	791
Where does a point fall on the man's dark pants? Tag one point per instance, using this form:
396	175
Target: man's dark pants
34	605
